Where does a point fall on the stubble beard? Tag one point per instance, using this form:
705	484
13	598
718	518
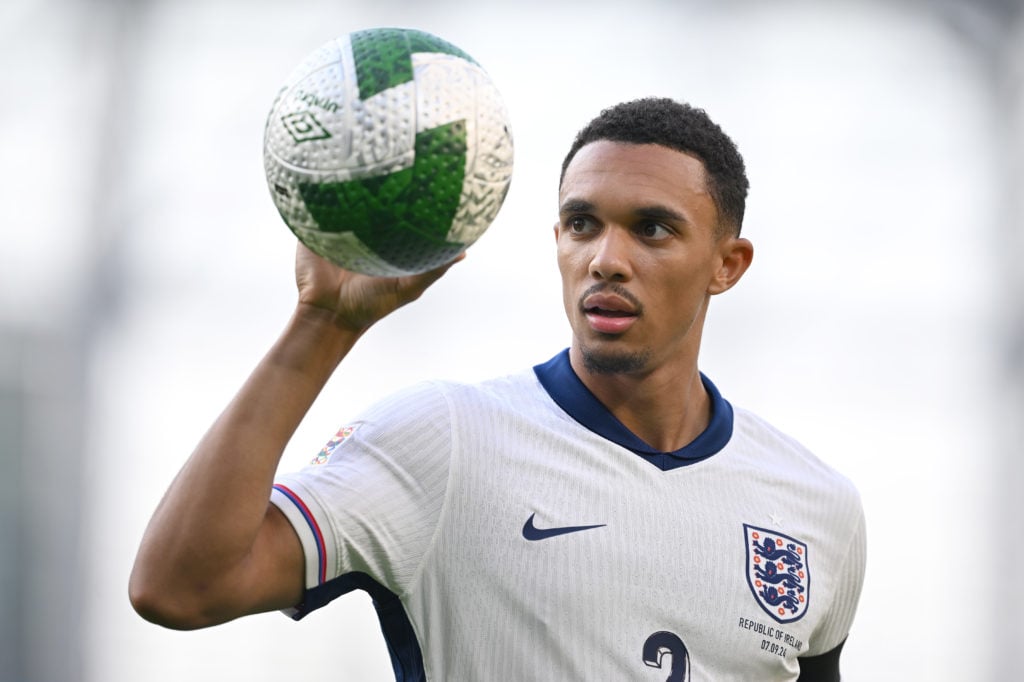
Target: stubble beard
614	363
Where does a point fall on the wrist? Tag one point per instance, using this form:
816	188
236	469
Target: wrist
316	337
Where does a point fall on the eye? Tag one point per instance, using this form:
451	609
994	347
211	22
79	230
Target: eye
580	224
653	230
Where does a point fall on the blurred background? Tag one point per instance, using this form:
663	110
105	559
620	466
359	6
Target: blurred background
144	271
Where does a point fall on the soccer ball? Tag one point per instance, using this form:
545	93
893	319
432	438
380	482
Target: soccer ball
388	151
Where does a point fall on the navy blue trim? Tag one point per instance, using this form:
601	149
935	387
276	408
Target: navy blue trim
403	647
565	388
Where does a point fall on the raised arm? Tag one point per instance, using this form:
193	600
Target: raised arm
215	548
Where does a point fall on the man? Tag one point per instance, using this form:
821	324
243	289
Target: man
606	515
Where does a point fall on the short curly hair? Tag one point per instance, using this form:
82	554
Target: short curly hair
682	127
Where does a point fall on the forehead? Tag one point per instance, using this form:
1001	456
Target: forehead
642	173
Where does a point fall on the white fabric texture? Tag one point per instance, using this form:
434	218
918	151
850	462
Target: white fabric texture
429	491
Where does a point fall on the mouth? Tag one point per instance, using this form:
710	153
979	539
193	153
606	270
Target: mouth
610	313
597	311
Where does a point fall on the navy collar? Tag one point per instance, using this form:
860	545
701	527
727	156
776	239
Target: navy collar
565	388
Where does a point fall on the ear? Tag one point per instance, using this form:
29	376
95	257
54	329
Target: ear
555	230
736	254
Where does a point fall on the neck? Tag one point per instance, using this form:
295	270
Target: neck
667	407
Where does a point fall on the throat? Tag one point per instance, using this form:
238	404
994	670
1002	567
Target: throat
667	416
675	428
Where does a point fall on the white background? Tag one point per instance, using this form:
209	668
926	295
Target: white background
137	209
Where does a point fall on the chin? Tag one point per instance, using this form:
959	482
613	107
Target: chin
614	362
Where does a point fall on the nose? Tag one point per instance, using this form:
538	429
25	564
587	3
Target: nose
610	260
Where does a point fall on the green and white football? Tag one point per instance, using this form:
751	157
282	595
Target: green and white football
388	151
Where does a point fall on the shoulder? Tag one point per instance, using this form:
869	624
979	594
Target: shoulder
505	393
794	473
758	438
430	401
764	434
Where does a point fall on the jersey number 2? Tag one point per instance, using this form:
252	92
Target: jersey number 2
661	643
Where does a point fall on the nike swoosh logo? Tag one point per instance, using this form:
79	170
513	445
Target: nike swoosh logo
532	533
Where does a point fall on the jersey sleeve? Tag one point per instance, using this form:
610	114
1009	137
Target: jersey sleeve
833	631
369	503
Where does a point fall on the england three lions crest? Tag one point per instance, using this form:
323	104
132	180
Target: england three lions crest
777	573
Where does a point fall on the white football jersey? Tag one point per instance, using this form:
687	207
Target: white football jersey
516	530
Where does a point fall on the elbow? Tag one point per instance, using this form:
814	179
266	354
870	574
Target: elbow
159	612
165	607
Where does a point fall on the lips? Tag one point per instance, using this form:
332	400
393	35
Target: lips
609	313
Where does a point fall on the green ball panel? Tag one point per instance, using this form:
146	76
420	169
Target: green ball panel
403	217
420	41
382	60
383	56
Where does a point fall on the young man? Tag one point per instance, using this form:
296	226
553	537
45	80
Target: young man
604	515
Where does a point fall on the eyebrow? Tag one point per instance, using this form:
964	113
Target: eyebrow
652	212
657	212
576	206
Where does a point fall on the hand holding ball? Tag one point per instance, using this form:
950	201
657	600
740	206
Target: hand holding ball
388	151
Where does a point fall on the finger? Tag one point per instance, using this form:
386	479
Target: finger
411	287
425	279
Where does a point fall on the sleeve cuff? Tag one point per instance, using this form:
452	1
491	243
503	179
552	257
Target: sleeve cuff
301	512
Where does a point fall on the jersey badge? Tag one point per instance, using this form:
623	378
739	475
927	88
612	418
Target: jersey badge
777	573
333	444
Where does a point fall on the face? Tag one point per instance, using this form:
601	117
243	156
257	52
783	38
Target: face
640	256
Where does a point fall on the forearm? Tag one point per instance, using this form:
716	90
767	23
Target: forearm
203	533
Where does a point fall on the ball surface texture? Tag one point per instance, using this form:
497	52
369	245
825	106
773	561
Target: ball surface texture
388	151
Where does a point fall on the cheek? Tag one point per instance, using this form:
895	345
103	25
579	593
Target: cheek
573	255
568	262
566	272
569	268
